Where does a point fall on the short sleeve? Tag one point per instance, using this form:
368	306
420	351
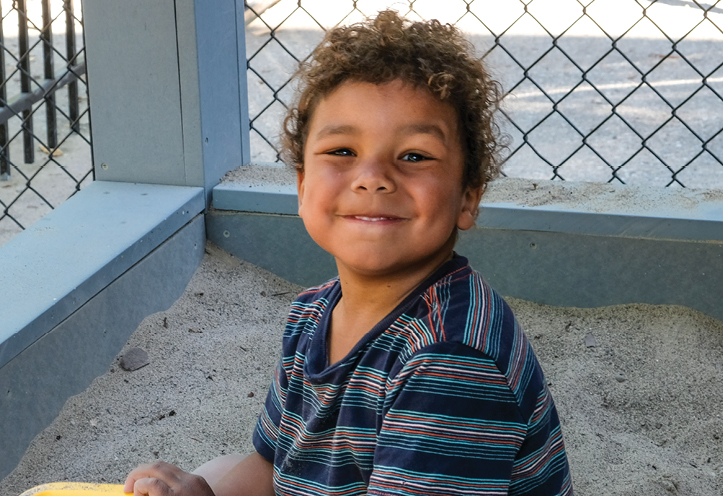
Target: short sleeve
267	427
452	425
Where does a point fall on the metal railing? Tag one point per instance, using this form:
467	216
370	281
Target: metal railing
45	153
627	91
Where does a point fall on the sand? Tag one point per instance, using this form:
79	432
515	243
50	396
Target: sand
638	389
580	196
609	198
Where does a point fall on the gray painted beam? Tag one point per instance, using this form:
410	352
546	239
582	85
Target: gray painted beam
35	384
212	63
704	223
548	254
167	82
583	270
243	88
72	253
134	91
278	243
262	198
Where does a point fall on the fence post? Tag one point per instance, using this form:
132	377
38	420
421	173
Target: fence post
24	64
167	87
46	34
71	55
4	144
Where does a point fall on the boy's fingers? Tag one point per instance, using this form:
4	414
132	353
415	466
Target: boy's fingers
133	477
137	473
151	486
164	473
164	479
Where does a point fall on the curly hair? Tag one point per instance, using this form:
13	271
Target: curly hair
425	54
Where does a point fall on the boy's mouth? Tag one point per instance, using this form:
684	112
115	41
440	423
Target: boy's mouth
374	218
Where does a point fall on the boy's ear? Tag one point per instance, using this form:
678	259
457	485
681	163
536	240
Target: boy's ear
470	207
300	188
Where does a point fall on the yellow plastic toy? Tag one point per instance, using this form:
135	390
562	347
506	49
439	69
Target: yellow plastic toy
75	489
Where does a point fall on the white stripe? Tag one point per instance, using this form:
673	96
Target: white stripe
466	432
610	86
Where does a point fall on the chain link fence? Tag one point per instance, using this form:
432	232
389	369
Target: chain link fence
627	91
45	153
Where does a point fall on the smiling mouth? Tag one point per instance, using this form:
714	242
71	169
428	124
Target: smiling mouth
374	218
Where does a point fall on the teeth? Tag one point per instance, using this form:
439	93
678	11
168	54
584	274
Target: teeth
370	219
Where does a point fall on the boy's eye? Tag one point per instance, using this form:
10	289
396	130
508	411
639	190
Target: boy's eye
414	157
342	152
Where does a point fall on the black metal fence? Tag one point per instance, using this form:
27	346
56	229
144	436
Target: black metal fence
627	91
45	153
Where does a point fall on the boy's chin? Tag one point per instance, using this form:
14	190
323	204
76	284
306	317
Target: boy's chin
382	267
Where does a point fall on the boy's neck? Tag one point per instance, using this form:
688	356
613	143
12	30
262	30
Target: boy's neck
366	300
368	292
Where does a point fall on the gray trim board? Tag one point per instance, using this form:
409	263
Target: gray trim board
242	67
36	383
704	223
589	270
212	99
167	83
262	198
278	243
134	90
547	254
72	253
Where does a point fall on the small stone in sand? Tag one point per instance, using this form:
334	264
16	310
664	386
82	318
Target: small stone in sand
134	359
590	340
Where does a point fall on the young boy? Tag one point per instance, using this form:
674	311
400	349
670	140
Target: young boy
407	375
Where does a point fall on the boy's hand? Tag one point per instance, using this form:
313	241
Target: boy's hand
164	479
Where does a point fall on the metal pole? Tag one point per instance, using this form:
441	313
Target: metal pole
27	100
25	80
70	52
4	148
50	112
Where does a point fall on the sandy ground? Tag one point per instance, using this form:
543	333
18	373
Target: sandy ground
638	389
610	198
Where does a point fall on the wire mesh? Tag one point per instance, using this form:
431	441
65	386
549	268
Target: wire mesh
45	153
627	91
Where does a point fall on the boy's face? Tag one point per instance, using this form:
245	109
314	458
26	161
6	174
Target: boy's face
381	189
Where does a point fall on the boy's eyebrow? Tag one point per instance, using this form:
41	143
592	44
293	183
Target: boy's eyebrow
433	129
332	129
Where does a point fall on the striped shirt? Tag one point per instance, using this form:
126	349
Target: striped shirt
442	397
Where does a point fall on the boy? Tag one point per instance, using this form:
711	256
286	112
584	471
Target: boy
407	375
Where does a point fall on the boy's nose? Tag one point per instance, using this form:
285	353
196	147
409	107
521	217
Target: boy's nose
374	176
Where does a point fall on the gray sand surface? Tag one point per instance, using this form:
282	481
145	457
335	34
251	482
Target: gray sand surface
641	409
262	174
608	198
